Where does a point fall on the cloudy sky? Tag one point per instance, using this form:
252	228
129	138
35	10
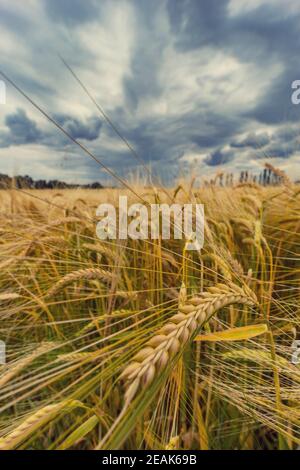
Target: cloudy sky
194	85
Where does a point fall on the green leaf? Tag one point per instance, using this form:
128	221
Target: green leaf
79	433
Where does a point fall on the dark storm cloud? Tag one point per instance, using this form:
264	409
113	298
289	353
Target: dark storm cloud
252	140
267	31
198	23
275	106
263	36
148	54
287	133
278	150
267	35
89	130
14	19
219	157
22	130
282	144
72	11
213	129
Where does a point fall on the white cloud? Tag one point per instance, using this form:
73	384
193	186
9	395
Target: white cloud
209	77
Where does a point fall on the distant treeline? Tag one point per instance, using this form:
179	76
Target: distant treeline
26	182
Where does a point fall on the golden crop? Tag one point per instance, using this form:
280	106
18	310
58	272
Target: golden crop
101	336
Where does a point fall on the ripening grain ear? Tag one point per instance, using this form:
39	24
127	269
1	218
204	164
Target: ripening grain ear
180	329
82	274
36	421
9	296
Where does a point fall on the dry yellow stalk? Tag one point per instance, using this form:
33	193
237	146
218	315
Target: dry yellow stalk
11	371
131	295
278	172
64	220
9	296
173	444
235	265
102	249
247	184
77	356
34	422
82	274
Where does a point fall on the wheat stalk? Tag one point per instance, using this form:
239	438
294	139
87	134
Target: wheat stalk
77	356
124	294
103	250
86	274
180	329
24	362
34	422
278	172
64	220
9	296
247	184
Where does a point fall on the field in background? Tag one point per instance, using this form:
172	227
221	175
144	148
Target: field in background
76	310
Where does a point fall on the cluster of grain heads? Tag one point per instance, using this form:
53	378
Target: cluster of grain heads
180	329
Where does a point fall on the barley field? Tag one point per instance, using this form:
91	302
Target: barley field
142	344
